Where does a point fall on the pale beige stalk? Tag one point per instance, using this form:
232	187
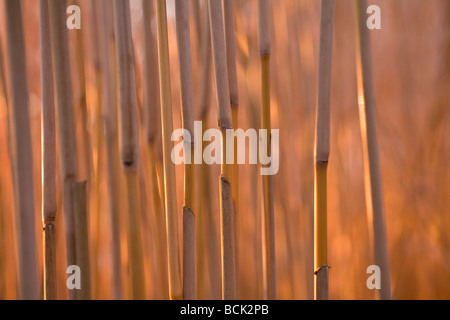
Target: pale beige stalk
175	288
22	152
368	125
128	140
152	119
268	191
225	122
322	151
82	239
187	105
66	127
234	103
48	146
109	115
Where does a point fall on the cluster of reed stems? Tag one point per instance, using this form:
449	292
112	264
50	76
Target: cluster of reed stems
117	120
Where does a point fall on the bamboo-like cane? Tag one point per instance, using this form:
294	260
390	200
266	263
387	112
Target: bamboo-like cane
322	151
234	103
23	167
225	122
175	290
81	236
85	159
187	104
208	257
109	114
152	115
128	143
48	155
66	127
268	192
368	125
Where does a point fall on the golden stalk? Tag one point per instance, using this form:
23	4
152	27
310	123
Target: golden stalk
268	191
368	125
225	122
48	155
234	103
152	116
187	104
82	242
22	152
322	151
208	257
66	126
128	140
109	114
175	289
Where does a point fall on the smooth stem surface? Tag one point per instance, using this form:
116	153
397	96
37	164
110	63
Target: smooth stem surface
322	151
48	155
82	240
128	141
175	290
109	114
134	237
21	144
268	188
368	125
187	106
225	122
66	128
234	103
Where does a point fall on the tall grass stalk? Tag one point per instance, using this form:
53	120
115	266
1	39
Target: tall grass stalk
208	255
175	289
109	115
48	145
234	103
128	141
368	125
82	239
187	105
152	118
268	191
66	126
322	150
22	152
225	122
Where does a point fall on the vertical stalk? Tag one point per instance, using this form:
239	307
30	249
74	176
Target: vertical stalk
368	125
268	191
66	126
109	114
175	290
48	155
81	235
187	104
322	150
225	122
152	117
22	152
234	103
128	144
207	254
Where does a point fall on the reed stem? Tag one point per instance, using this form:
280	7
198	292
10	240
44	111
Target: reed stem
175	289
128	140
322	151
268	191
187	105
22	152
368	125
48	155
109	115
225	122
